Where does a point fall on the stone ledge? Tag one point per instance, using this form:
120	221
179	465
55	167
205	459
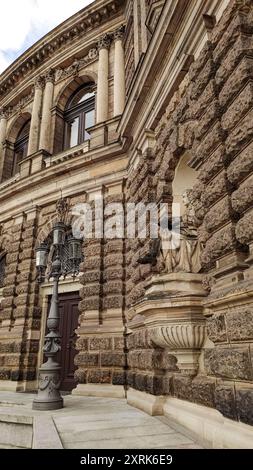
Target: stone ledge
208	426
153	405
99	390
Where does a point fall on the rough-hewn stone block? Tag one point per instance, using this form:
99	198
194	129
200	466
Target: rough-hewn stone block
244	402
216	328
236	81
229	363
241	166
86	359
99	376
218	215
100	344
113	359
225	401
240	325
203	391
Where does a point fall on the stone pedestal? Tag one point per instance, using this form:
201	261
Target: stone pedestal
172	313
98	135
33	163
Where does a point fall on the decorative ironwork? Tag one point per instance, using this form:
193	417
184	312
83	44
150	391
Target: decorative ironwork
69	265
65	256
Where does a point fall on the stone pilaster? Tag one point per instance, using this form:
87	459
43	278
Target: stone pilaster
119	73
3	125
103	75
33	145
46	124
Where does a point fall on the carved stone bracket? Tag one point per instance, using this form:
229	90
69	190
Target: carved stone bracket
172	311
184	340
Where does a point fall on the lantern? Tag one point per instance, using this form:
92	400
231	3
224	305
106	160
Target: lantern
59	232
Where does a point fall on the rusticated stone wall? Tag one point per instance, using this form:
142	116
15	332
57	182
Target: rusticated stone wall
210	116
20	313
150	367
102	350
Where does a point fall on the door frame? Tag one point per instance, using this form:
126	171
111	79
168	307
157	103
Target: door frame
67	285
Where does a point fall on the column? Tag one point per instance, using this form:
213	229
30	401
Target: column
45	129
103	75
33	145
119	73
3	125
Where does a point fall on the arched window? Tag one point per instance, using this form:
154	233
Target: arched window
79	116
21	146
2	268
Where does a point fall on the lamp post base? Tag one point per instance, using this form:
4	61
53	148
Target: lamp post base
46	405
49	397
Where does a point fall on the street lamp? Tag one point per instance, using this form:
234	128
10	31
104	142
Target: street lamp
49	397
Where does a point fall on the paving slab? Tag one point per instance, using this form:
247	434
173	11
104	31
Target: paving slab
91	423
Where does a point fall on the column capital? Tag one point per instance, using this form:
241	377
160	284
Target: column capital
119	33
39	82
104	42
49	76
3	113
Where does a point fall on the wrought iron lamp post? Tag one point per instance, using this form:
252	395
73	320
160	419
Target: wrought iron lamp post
49	397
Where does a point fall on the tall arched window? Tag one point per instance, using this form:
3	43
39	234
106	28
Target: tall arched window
21	146
79	116
2	268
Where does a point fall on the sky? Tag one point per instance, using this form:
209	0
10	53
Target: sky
23	22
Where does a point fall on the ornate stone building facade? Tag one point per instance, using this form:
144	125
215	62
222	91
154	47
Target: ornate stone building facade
137	101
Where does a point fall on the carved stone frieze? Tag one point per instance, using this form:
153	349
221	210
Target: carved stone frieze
77	64
17	108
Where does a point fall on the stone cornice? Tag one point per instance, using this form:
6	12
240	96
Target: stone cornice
75	27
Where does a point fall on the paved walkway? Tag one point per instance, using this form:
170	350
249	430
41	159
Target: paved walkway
91	423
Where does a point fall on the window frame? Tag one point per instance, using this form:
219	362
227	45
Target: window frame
78	110
21	144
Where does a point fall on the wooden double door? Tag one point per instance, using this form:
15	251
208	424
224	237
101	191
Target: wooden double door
68	308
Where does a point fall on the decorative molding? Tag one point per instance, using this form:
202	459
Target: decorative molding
184	339
77	64
62	209
119	33
186	335
39	82
3	113
84	22
104	42
17	108
49	75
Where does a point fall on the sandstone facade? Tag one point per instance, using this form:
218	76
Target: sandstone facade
186	92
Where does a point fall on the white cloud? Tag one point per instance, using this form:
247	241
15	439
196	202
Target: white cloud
24	22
